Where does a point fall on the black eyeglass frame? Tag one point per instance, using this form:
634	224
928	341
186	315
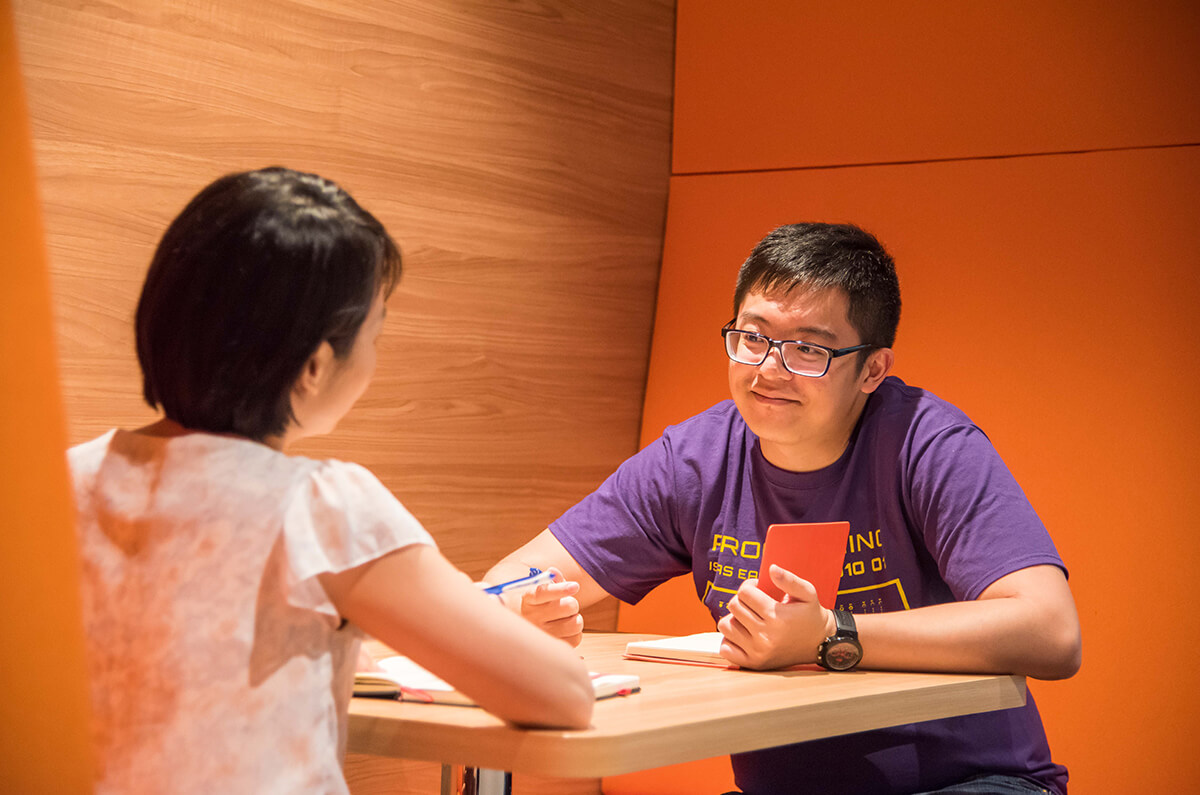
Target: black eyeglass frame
834	353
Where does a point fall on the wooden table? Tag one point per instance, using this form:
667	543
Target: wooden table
682	713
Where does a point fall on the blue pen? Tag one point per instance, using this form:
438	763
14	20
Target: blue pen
535	578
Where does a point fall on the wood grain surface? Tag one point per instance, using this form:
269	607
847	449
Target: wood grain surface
517	151
682	713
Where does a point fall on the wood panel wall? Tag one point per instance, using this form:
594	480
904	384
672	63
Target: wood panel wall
518	151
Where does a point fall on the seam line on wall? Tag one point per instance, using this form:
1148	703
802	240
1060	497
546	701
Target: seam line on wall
972	158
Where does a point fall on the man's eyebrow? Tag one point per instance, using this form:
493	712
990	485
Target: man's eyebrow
808	332
804	333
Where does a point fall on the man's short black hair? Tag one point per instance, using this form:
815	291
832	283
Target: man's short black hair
819	256
258	270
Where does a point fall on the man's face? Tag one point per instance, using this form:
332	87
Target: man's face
803	423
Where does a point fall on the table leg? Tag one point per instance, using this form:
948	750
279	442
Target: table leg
477	781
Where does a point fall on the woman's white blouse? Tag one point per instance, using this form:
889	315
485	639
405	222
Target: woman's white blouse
217	662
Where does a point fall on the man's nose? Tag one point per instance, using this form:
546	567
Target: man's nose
774	361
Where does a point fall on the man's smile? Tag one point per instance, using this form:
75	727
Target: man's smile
772	399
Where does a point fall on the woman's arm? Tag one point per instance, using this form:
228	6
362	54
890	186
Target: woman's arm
416	602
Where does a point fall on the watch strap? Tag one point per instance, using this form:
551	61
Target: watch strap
844	620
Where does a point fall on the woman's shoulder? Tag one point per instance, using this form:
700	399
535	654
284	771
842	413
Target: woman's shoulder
339	515
335	476
92	450
353	493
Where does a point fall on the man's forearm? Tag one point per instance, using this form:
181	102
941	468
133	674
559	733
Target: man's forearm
544	551
1032	630
509	568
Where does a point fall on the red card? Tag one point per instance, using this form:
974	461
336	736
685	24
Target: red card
815	552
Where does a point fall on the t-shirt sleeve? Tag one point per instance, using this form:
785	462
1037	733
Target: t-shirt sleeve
976	521
626	533
340	516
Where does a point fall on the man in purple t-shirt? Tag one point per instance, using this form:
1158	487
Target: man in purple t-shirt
948	567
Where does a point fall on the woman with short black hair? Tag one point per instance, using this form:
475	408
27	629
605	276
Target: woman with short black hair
226	584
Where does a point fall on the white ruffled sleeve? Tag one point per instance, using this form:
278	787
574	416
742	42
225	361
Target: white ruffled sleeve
338	517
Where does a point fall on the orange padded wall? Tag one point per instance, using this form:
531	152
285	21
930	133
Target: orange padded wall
44	740
1035	170
776	84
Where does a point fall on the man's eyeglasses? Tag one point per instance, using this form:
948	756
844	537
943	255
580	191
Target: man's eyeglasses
802	358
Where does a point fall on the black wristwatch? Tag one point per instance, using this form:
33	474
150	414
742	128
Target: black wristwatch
842	651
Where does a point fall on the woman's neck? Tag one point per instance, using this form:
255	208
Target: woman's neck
167	428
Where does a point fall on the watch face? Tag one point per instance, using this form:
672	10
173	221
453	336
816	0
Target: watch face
842	654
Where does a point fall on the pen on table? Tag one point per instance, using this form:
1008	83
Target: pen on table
535	578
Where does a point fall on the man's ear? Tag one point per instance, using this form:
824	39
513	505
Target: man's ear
879	364
315	373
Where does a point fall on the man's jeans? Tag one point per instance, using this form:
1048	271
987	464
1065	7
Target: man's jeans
982	785
990	785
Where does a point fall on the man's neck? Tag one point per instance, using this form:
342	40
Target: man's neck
802	458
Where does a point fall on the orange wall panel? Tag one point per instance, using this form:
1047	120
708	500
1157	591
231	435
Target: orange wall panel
1053	299
45	744
780	84
1051	296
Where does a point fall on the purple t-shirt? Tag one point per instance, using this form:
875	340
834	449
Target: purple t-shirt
935	516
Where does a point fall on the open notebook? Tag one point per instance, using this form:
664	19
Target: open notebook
702	648
403	679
